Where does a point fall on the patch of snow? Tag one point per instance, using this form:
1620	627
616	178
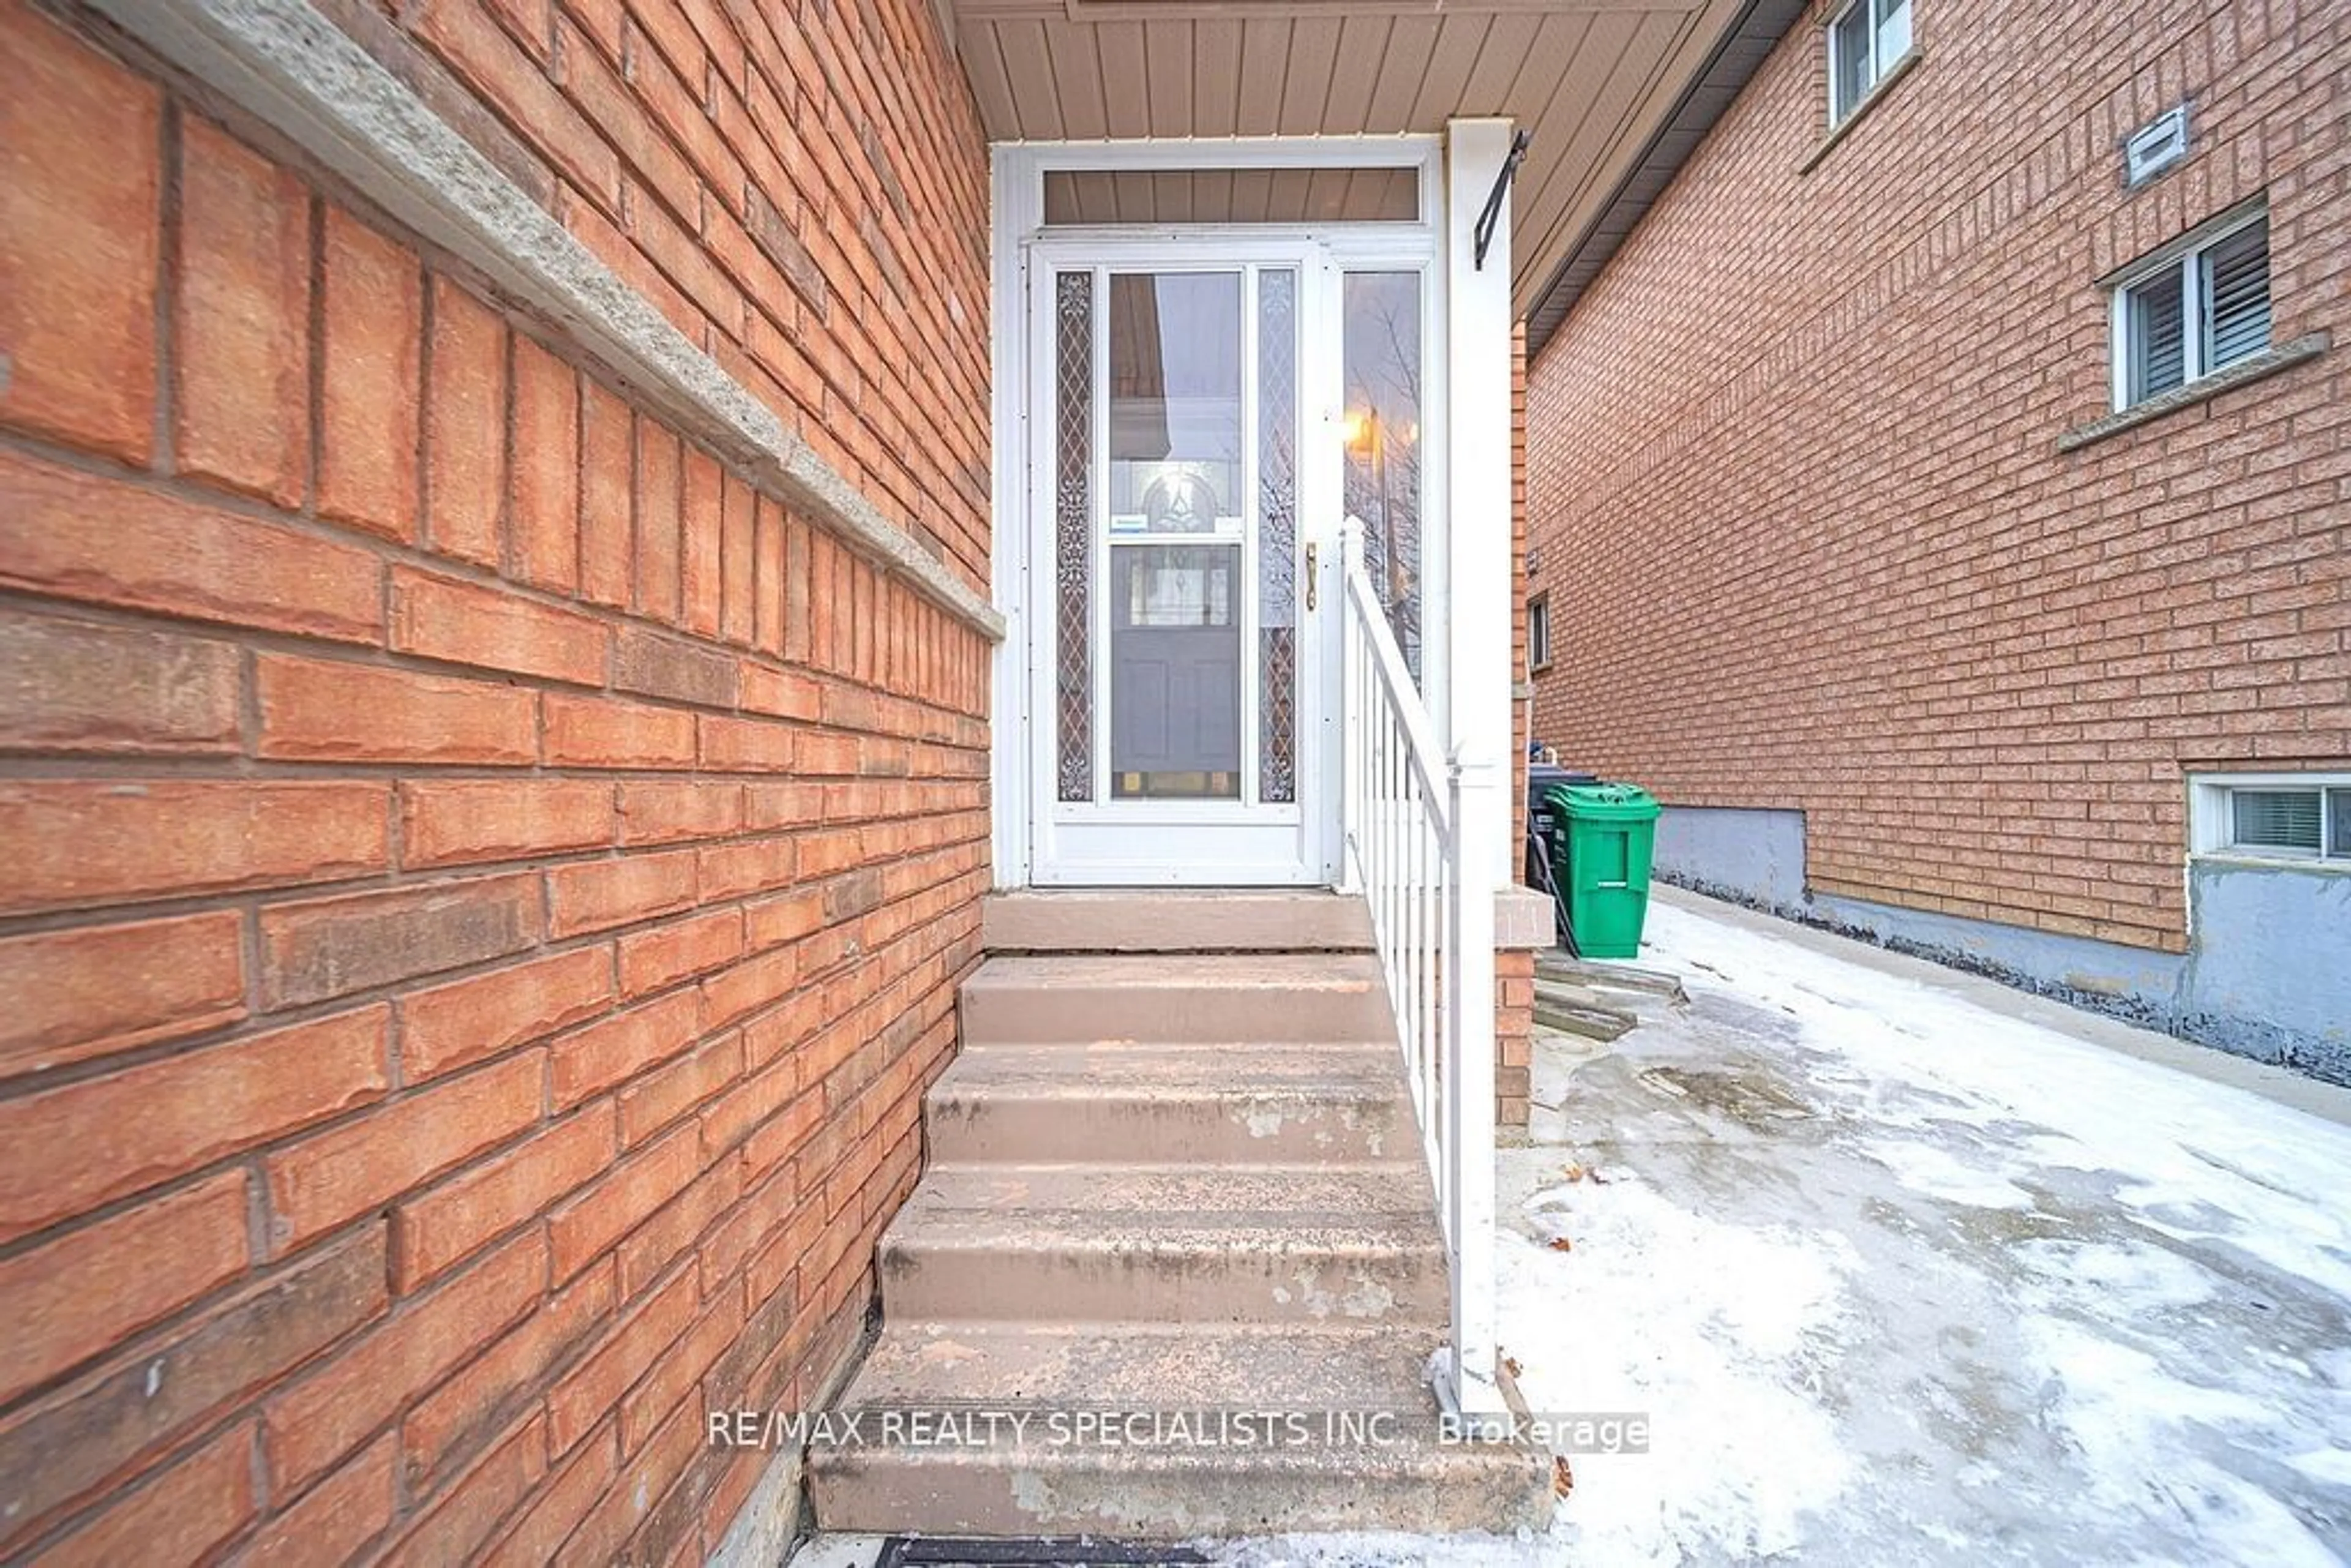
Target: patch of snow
1715	1332
1999	1289
1938	1173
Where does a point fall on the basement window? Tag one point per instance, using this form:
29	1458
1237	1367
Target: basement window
2298	817
1866	41
1538	632
2196	307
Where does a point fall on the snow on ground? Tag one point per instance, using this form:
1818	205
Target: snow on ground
1906	1269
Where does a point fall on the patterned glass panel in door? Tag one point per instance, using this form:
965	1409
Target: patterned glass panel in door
1277	349
1073	443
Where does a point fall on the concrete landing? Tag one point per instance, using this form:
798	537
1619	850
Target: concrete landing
1195	920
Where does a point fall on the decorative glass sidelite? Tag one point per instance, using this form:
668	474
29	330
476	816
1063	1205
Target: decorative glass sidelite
1175	534
1073	382
1277	469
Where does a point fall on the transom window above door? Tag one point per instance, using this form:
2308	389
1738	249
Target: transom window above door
1109	197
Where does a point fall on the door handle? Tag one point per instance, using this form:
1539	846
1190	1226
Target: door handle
1310	575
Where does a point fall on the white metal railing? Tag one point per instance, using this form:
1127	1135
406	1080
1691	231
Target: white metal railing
1404	804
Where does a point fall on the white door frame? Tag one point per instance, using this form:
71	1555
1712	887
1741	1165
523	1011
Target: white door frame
1196	842
1021	751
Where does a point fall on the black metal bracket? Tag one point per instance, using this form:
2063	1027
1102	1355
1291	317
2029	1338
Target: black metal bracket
1483	234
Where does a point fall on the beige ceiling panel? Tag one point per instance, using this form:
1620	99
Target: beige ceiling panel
1410	45
1265	64
1608	52
1363	50
1174	70
1591	78
1501	59
1029	72
1586	147
1078	80
1217	76
983	62
1449	64
1306	88
1129	77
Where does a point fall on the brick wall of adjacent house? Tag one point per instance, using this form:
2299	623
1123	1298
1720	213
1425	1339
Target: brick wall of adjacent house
485	887
1514	969
1809	538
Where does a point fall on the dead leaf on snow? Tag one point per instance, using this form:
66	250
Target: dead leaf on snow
1571	1171
1562	1244
1563	1479
1510	1365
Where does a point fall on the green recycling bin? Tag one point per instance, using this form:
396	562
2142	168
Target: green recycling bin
1601	859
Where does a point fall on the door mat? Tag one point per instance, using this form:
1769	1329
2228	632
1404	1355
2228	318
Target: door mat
1037	1552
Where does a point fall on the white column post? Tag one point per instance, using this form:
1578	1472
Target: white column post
1478	517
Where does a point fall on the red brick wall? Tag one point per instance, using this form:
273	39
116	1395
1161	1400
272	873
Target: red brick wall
484	893
1808	536
1521	707
802	190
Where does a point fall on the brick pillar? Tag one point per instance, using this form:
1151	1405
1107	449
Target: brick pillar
1514	1028
1521	929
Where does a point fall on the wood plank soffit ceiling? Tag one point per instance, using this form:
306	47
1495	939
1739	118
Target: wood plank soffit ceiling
1598	82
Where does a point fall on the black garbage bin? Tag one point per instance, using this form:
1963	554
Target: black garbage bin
1543	836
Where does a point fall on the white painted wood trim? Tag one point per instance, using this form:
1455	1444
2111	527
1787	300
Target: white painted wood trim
1477	485
1008	353
289	68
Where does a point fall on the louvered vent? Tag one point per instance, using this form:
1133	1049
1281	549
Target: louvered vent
2156	146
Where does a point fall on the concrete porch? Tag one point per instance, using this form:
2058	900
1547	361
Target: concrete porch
1174	1259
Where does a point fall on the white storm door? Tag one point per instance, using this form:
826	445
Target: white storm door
1183	563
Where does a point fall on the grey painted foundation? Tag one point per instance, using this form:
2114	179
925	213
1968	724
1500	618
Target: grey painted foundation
2267	975
1750	856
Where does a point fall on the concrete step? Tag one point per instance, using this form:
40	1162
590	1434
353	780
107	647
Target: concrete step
1171	1492
1113	1366
1134	1430
1268	999
1174	1179
1299	1244
1171	1106
1190	920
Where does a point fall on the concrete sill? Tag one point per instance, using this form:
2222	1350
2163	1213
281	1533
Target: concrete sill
1869	100
2240	861
2268	362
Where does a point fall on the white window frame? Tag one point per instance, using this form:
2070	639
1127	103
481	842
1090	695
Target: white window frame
2184	255
2211	818
1538	632
1882	61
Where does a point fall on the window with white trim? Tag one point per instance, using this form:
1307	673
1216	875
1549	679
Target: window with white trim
1868	40
1538	632
2277	816
2191	309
